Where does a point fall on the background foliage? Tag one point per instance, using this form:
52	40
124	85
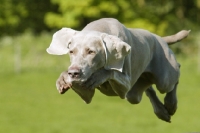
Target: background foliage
154	15
161	17
157	16
29	101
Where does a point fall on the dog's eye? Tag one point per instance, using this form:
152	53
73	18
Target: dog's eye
91	52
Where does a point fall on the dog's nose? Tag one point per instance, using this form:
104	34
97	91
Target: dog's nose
74	72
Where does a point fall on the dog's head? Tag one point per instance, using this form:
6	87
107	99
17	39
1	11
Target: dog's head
89	51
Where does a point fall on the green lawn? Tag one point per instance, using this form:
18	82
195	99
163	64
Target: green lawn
30	103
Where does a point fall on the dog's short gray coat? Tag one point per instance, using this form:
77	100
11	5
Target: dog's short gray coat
119	62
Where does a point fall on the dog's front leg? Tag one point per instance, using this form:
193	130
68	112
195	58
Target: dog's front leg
97	78
63	84
119	82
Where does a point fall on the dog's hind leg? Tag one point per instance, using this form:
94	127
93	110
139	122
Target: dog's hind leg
170	101
159	109
134	96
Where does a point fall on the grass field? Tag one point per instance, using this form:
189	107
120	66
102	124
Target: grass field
30	103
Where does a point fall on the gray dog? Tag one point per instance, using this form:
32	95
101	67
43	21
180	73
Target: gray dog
119	61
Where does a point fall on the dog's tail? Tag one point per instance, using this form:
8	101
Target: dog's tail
177	37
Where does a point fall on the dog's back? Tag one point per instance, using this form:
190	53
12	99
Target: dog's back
110	26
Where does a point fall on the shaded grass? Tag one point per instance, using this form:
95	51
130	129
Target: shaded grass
30	103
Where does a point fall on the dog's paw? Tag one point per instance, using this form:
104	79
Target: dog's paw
170	102
64	88
62	83
171	106
162	113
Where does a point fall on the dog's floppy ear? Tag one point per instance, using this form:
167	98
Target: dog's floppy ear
115	50
59	43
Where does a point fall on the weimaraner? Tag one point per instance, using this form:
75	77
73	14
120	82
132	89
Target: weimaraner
119	61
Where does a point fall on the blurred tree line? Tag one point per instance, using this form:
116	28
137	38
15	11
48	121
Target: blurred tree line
161	17
166	16
16	16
